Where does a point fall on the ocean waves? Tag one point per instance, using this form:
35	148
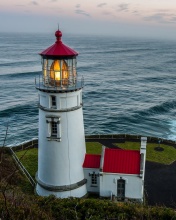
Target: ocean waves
129	86
163	108
19	75
21	110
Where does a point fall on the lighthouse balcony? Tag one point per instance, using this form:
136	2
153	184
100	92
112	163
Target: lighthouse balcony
64	85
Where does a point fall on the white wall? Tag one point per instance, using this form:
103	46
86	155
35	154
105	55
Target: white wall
63	100
60	162
133	185
90	187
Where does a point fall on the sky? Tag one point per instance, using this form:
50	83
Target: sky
138	18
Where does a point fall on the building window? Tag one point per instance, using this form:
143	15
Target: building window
121	188
94	178
53	101
54	129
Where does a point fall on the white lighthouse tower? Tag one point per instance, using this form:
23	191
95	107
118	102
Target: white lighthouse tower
61	128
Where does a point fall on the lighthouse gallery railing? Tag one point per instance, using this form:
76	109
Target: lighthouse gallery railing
50	84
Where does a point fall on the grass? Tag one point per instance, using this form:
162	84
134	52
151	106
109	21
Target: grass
167	156
93	147
29	159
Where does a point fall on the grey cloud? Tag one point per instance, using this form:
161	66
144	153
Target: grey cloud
155	17
78	6
53	0
135	12
123	7
34	3
20	5
161	17
101	5
81	12
106	13
173	19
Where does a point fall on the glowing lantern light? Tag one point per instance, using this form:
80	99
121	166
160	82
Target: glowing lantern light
57	75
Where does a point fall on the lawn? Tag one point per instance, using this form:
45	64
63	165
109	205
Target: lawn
93	147
167	156
29	158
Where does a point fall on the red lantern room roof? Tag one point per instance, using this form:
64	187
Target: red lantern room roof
58	49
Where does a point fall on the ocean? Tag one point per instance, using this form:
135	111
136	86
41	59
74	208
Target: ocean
129	84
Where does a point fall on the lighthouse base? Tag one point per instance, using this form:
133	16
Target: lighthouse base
78	192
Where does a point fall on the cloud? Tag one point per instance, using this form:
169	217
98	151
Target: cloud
161	17
19	5
101	5
173	19
27	11
53	0
78	6
34	3
81	12
155	17
106	13
135	12
123	7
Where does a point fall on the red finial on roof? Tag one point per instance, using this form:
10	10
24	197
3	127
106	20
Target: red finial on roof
58	35
58	49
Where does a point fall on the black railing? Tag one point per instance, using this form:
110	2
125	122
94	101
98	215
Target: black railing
121	137
64	84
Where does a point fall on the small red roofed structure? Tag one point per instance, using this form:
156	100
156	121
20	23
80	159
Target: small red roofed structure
117	172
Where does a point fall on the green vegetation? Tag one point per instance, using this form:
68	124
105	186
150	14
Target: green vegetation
43	208
93	147
15	203
29	159
167	156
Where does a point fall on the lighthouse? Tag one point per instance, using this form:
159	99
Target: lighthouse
61	144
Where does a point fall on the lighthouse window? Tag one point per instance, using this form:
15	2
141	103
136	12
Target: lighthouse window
53	101
54	129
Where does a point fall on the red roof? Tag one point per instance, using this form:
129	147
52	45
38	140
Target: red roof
59	49
92	161
121	161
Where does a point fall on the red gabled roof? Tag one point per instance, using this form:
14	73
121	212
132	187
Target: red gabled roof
121	161
59	49
92	161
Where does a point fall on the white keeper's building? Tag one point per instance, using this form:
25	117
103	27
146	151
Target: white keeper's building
64	168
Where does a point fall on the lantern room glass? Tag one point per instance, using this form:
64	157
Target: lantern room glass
59	72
